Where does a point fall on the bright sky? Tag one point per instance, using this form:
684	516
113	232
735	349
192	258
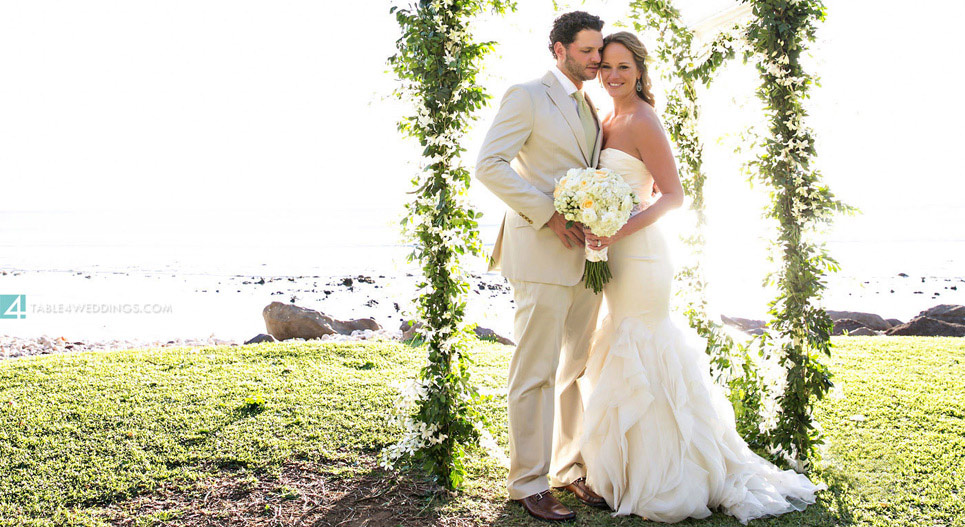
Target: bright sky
265	105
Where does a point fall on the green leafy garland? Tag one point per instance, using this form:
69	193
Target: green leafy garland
436	64
682	66
801	205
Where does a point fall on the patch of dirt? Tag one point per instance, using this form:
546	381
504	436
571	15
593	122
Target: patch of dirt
302	496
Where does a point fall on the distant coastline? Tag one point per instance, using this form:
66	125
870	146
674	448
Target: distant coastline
184	258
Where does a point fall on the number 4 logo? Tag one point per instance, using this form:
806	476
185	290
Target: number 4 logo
13	306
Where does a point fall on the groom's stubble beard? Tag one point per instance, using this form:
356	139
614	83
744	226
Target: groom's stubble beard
576	69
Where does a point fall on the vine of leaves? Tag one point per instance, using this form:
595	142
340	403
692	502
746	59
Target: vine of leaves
773	410
436	63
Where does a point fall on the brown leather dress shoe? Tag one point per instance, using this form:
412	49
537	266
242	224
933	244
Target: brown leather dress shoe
584	494
545	507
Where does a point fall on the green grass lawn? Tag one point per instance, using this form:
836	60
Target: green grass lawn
286	434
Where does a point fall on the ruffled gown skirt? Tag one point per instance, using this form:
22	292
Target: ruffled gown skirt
659	438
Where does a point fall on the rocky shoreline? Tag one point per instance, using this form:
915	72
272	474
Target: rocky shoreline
944	320
375	306
15	347
288	322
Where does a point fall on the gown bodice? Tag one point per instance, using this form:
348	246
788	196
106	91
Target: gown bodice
631	169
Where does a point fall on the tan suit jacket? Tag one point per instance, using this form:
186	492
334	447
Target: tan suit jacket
534	139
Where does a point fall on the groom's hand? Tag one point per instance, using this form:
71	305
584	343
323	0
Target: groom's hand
572	237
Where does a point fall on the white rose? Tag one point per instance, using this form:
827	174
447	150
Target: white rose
627	203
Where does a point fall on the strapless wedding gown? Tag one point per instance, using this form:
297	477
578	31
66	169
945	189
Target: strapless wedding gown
659	436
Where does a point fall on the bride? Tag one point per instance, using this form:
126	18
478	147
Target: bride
659	436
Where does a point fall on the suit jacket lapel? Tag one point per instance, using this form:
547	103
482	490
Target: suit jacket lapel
568	108
599	131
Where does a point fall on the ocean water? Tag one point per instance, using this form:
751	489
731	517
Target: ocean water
334	241
221	242
180	258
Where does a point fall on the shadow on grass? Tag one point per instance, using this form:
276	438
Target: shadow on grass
302	494
379	499
840	486
356	494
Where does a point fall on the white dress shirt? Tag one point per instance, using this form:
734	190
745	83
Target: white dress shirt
567	85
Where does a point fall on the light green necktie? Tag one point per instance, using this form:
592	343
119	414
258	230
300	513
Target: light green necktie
586	117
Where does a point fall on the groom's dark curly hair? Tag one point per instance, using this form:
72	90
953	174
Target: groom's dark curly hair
567	25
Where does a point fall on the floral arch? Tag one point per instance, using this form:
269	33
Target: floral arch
773	383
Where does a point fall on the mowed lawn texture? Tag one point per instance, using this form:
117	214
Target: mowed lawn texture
97	438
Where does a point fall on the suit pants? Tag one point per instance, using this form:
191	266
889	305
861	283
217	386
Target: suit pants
553	328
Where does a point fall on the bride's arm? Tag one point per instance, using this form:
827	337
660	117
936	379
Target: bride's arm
654	148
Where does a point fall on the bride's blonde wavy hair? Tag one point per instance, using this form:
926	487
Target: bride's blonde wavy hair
639	52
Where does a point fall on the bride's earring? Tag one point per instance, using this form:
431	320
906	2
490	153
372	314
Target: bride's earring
639	86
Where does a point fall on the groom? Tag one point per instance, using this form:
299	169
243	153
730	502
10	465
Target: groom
542	129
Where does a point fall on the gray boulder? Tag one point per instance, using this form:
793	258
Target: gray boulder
928	327
862	332
359	324
744	324
846	325
946	313
261	337
288	321
488	334
894	322
868	320
409	330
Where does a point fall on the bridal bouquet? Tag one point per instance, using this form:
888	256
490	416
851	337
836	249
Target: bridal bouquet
602	201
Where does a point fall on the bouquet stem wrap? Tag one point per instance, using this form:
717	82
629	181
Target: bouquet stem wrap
596	272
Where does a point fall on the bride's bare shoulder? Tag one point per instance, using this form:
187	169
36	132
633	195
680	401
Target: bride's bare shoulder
645	120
